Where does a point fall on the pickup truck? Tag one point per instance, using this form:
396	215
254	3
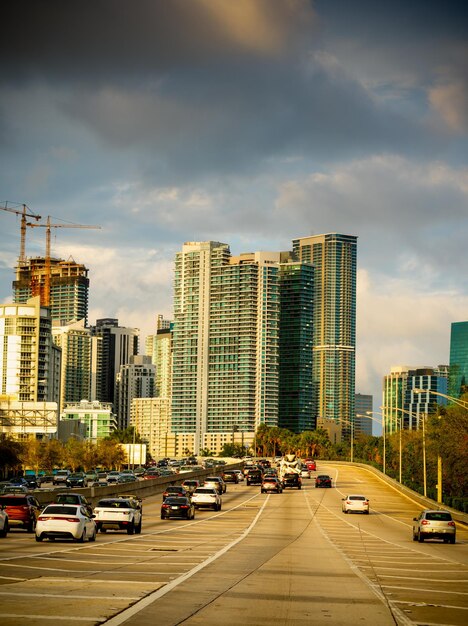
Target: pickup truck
118	514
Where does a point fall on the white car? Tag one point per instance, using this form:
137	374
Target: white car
4	527
207	497
305	473
118	514
65	521
240	474
355	502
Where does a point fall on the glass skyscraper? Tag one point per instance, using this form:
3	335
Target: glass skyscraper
334	257
296	399
458	376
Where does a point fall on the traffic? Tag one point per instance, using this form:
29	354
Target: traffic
219	536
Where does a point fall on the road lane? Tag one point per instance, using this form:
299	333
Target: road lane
304	559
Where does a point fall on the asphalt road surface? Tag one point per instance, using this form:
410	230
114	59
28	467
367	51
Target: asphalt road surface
290	558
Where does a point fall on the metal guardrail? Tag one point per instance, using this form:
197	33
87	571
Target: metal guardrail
427	503
141	488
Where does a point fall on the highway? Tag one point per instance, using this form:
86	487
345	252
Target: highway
290	558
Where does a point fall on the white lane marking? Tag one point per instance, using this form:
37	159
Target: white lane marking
432	604
67	618
402	618
449	581
94	580
136	608
60	595
456	593
51	569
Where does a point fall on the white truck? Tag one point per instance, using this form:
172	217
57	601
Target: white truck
118	514
290	471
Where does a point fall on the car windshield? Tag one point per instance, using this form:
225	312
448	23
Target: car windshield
68	499
210	491
176	501
6	501
60	510
357	498
439	517
114	504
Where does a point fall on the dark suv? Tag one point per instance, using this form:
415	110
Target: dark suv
292	480
22	510
254	477
323	481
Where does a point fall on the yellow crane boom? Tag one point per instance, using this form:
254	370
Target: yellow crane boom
48	227
25	213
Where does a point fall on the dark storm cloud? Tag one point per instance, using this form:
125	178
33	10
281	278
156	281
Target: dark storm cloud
123	40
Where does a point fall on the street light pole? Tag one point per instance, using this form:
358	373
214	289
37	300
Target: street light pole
384	463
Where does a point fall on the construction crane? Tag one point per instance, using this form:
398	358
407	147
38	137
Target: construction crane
47	269
25	213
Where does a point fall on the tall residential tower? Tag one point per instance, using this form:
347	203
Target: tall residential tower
334	257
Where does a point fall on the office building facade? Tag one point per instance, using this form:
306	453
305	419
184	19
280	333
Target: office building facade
402	407
136	379
81	362
118	345
363	419
29	359
458	377
297	411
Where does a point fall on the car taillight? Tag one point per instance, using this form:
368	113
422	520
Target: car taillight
165	506
424	522
72	519
184	506
451	523
43	519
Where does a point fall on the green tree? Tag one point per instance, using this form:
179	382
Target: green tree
74	453
10	455
51	454
110	454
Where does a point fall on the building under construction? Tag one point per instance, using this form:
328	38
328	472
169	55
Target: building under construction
69	287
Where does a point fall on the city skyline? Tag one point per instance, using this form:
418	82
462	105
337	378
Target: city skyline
252	125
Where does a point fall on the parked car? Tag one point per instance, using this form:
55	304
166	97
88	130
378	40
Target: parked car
22	510
118	514
190	485
31	480
207	497
323	481
270	484
65	521
43	479
91	478
175	490
230	476
240	474
77	479
218	483
254	476
177	506
19	481
4	527
73	498
112	476
126	478
355	503
61	477
434	525
151	473
292	480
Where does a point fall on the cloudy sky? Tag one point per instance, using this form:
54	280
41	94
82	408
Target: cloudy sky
250	122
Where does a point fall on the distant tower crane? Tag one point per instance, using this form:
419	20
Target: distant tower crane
26	212
47	268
